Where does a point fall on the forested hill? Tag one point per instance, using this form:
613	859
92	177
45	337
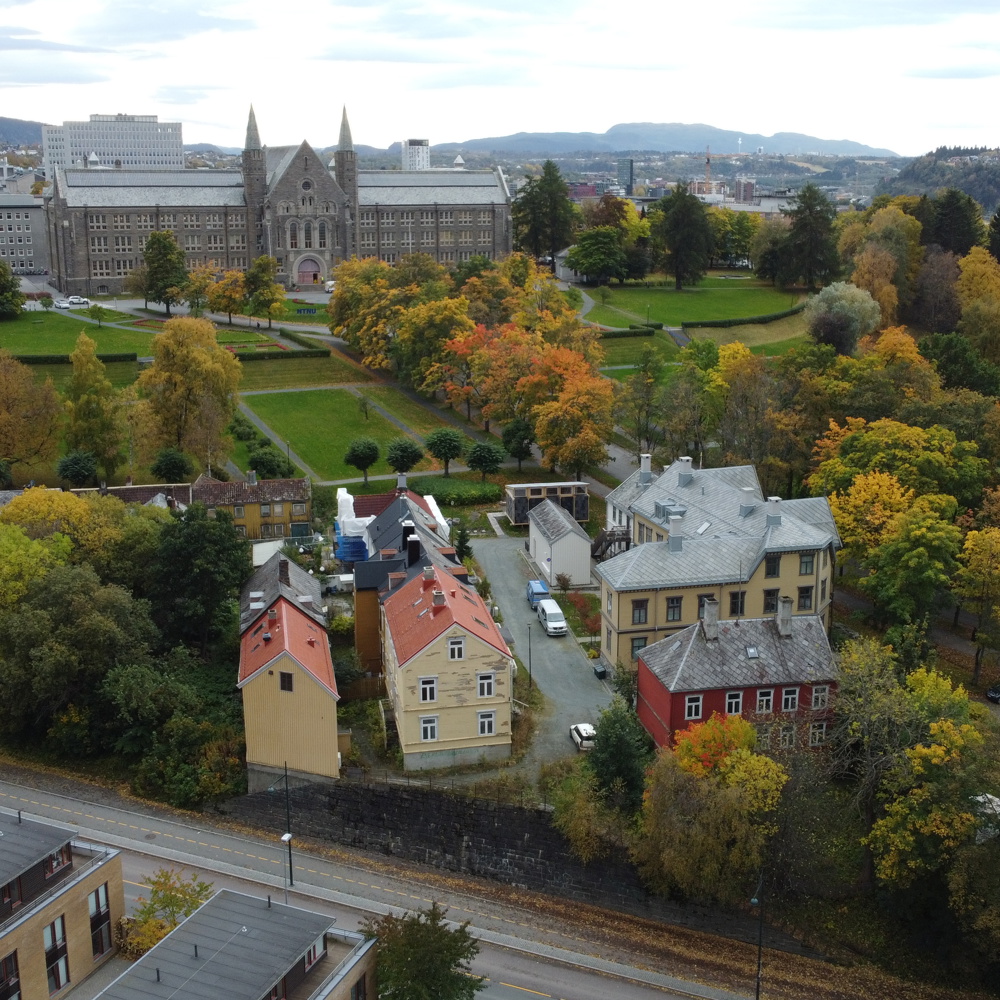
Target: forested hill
16	132
979	177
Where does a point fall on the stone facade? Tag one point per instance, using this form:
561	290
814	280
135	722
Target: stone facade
283	201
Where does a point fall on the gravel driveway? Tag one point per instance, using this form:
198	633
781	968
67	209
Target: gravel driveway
558	665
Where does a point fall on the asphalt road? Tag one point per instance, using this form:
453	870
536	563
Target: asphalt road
563	672
516	948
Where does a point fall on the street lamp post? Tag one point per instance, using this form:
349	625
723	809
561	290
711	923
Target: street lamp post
529	656
758	901
286	838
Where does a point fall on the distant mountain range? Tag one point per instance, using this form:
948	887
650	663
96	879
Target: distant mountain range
668	138
638	136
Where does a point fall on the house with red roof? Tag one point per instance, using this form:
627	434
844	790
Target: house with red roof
449	674
289	697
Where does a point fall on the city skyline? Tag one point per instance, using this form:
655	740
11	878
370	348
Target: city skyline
449	71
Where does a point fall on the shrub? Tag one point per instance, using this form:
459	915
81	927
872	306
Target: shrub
242	428
644	331
726	323
311	345
456	492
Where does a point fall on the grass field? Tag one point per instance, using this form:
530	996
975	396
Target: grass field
295	373
417	418
714	298
40	333
770	338
628	350
320	424
119	373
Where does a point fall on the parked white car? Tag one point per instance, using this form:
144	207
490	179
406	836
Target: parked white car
582	734
61	304
78	300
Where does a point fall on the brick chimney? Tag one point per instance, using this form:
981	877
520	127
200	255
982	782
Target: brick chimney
710	620
283	572
438	599
783	618
272	615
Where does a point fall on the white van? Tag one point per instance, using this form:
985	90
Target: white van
552	618
329	286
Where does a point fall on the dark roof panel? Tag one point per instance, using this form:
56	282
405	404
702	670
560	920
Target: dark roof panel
23	844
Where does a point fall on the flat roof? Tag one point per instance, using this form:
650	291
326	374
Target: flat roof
24	843
245	946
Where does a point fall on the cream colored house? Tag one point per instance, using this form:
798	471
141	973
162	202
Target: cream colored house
449	674
289	698
709	533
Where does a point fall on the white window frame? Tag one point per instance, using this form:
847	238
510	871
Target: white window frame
765	700
428	689
786	737
734	702
487	723
486	685
817	734
820	695
693	706
428	728
790	699
456	647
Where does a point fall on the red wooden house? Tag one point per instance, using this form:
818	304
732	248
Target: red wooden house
777	672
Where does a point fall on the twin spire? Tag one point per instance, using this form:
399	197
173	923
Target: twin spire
345	145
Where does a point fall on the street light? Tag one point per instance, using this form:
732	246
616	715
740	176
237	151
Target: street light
529	656
758	901
286	838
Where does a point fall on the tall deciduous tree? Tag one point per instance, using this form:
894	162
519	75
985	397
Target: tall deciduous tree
421	958
622	750
864	511
11	296
264	295
403	454
681	225
639	399
228	294
978	584
25	560
518	437
189	392
598	254
809	253
93	409
543	215
166	274
445	444
840	315
936	301
199	566
362	453
196	290
30	414
485	458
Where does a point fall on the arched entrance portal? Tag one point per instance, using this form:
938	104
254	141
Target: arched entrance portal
310	271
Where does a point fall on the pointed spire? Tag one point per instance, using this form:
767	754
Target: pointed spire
253	136
346	144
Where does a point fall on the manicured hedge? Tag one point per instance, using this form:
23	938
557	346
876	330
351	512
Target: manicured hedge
725	323
309	345
245	356
65	359
632	331
456	492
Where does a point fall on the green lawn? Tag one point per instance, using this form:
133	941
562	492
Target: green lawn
628	350
41	333
119	373
419	419
293	373
234	336
768	336
714	298
320	424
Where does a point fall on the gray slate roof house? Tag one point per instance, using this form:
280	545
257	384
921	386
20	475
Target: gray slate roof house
280	577
557	543
553	522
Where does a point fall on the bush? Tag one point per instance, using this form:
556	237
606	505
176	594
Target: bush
307	343
65	359
242	428
642	331
726	323
246	356
456	492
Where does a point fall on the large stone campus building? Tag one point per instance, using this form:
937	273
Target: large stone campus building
284	201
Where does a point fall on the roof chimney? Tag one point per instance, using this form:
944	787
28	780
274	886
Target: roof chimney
784	617
438	599
283	571
645	470
428	573
252	477
710	619
272	615
401	481
311	640
774	512
413	549
684	475
747	502
675	540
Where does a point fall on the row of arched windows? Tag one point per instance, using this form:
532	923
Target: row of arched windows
307	236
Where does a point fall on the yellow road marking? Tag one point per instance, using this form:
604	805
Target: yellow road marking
524	989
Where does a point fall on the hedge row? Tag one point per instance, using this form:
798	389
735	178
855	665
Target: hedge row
632	331
768	318
37	296
306	342
65	359
281	355
456	492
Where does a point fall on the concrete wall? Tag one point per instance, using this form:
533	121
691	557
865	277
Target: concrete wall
518	847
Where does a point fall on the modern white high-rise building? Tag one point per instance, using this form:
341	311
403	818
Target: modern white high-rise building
113	142
416	154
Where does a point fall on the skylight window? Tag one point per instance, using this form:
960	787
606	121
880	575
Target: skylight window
703	527
753	653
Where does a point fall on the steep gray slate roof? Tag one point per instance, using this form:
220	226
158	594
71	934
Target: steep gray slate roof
431	187
701	562
688	661
141	188
554	521
244	949
265	586
24	844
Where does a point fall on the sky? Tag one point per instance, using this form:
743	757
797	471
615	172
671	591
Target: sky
907	75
